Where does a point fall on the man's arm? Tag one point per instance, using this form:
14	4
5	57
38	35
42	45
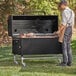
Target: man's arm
60	29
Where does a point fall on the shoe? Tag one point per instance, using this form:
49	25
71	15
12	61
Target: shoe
69	64
62	64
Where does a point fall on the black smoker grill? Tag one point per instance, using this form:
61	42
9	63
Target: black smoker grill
33	35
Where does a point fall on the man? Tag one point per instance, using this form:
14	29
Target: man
65	32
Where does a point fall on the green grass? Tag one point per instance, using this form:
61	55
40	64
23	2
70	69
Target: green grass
35	67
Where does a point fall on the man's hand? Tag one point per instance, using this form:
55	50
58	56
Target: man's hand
57	32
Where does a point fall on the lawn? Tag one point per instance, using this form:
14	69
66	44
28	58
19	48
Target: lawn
35	67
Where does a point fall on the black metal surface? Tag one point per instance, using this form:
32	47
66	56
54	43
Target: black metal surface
36	46
16	46
18	25
10	26
35	24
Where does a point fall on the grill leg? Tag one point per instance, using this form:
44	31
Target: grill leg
22	61
15	61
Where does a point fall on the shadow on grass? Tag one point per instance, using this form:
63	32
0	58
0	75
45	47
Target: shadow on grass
35	65
73	44
5	52
47	67
6	56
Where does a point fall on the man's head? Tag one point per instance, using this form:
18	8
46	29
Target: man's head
62	5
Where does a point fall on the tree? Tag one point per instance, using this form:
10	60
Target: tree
19	7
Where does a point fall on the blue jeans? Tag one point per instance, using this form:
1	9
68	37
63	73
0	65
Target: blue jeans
66	47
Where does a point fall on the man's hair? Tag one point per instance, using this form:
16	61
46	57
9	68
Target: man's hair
63	2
